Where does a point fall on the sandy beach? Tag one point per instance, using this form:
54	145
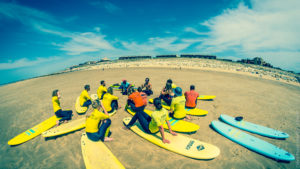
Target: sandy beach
262	101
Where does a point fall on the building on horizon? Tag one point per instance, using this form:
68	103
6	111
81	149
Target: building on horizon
134	57
256	61
198	56
167	56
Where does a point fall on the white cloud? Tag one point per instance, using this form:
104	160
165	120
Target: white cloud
157	43
24	14
195	31
24	62
111	8
108	6
269	28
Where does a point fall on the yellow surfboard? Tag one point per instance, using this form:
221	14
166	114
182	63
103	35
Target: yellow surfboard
78	108
68	127
34	131
179	144
206	97
97	156
194	112
176	125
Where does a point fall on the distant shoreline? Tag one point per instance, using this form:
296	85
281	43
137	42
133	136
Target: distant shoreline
186	63
198	64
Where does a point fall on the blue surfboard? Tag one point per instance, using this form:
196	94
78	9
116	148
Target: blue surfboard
251	142
253	128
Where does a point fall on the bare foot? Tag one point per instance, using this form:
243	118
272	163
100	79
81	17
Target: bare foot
108	139
57	123
125	128
187	117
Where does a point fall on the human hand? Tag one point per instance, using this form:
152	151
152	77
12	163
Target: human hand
173	133
166	141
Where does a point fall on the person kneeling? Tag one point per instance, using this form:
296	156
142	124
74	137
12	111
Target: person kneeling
65	115
177	107
154	123
85	99
110	102
96	119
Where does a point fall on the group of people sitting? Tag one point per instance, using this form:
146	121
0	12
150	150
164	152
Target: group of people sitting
98	122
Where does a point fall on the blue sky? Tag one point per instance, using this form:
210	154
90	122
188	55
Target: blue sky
44	36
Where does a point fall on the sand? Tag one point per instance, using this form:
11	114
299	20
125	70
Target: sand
267	102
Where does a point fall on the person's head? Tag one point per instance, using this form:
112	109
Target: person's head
102	82
168	86
130	91
55	93
124	81
192	87
178	91
87	87
147	80
169	81
110	90
139	89
95	104
157	103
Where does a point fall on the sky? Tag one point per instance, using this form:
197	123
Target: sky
38	37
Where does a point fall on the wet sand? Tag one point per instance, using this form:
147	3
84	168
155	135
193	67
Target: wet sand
266	102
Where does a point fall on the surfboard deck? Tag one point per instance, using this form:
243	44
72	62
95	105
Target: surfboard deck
68	127
254	128
176	125
96	155
179	144
34	131
194	112
78	108
251	142
116	87
206	97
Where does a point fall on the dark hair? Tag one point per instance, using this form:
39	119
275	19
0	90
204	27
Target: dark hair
130	90
157	103
54	93
110	90
147	79
169	81
102	82
192	87
139	89
87	87
168	86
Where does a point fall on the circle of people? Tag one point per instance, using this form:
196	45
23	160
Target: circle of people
98	122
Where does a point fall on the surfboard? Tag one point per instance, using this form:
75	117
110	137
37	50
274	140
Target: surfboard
96	155
206	97
163	103
194	112
176	125
179	144
254	128
68	127
251	142
34	131
78	108
116	87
